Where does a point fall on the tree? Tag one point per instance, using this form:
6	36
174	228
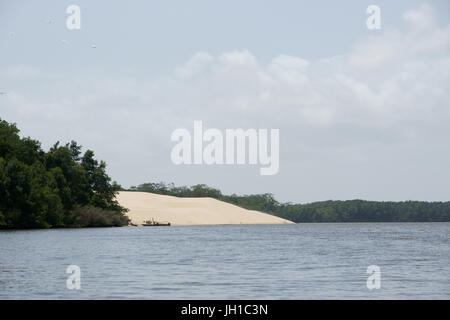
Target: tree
57	188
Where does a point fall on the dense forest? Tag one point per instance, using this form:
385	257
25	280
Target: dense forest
324	211
58	188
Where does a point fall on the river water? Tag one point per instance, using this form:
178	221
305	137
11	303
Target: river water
302	261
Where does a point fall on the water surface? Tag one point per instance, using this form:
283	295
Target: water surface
303	261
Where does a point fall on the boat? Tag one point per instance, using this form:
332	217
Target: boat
153	223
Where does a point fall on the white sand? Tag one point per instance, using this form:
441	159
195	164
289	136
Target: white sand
189	211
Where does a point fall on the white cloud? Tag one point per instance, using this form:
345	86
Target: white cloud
392	47
198	64
422	18
238	59
392	88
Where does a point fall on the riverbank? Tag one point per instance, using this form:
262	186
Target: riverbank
189	211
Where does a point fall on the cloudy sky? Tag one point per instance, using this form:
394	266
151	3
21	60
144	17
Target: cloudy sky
362	113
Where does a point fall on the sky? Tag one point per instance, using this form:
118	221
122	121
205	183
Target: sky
362	114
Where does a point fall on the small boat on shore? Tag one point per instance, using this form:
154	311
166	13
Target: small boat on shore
153	223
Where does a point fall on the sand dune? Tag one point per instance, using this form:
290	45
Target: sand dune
189	211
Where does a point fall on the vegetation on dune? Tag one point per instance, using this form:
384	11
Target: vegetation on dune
58	188
324	211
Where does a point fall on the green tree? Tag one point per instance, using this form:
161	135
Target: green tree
57	188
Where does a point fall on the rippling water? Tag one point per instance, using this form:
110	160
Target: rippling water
303	261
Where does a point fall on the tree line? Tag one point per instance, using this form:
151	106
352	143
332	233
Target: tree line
323	211
64	187
58	188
